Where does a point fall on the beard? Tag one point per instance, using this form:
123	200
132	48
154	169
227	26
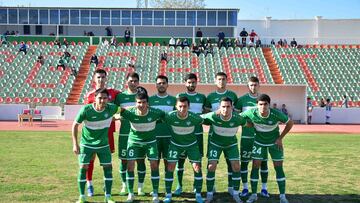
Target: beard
190	88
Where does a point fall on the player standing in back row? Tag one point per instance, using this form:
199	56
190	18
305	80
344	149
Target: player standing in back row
268	139
100	78
165	102
246	102
212	104
125	100
197	102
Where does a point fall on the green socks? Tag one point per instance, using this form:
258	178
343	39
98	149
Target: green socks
155	178
264	172
210	180
254	178
130	181
123	171
108	179
180	171
141	169
198	181
169	178
280	178
82	181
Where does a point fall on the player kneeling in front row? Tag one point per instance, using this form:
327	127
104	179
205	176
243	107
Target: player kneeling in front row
222	138
96	119
183	141
268	139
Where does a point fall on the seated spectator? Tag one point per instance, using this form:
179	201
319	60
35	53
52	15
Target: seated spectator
221	43
61	63
106	42
258	42
272	42
274	106
322	102
163	56
113	41
293	43
178	42
208	49
199	33
185	43
3	39
172	42
251	44
57	42
40	59
344	102
195	49
65	42
229	43
131	62
281	43
208	41
12	32
67	56
284	42
202	42
94	59
23	47
237	43
284	109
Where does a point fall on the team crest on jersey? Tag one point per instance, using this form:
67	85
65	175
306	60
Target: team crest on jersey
270	122
168	102
106	115
197	99
127	98
149	119
231	124
188	123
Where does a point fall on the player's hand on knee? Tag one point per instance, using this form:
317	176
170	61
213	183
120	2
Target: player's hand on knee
279	143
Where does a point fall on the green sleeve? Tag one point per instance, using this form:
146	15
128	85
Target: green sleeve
81	115
246	114
117	99
207	103
207	118
126	114
281	116
238	105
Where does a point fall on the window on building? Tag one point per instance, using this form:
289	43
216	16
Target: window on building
84	17
169	17
105	17
125	17
158	17
23	16
54	16
136	17
13	16
147	17
211	18
95	17
232	18
180	18
44	16
3	16
64	17
221	17
74	17
201	18
115	17
191	18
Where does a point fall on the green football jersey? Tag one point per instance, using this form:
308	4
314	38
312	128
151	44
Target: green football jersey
166	104
96	125
183	128
142	128
223	132
125	99
197	101
213	99
266	128
244	103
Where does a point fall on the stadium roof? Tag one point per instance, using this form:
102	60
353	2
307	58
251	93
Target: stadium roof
122	8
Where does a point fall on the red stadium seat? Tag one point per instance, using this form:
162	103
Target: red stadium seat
17	99
1	100
8	100
27	100
54	100
45	100
36	100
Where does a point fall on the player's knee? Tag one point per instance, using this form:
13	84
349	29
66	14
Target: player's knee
212	166
123	161
171	166
130	165
154	165
197	167
235	166
278	163
256	164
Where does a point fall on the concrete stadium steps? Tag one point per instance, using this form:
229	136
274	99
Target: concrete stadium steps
81	77
274	69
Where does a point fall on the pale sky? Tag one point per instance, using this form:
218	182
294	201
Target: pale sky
249	9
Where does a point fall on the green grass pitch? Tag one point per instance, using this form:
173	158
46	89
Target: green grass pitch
40	167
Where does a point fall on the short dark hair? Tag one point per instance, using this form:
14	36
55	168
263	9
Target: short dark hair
253	79
221	74
100	71
141	96
140	89
133	75
183	99
328	100
190	76
263	97
226	99
101	91
163	77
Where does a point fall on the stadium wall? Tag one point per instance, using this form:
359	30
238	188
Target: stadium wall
306	31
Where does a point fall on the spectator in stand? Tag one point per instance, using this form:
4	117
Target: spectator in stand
252	36
108	31
327	111
94	59
23	47
202	42
57	42
258	42
281	43
17	33
284	109
293	43
131	62
344	102
251	44
67	56
221	36
178	42
221	43
127	35
40	59
185	43
106	42
113	41
85	33
309	108
195	49
65	42
12	32
322	102
163	56
172	42
285	42
208	49
61	63
199	33
229	43
243	34
272	42
3	39
275	106
237	43
208	40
